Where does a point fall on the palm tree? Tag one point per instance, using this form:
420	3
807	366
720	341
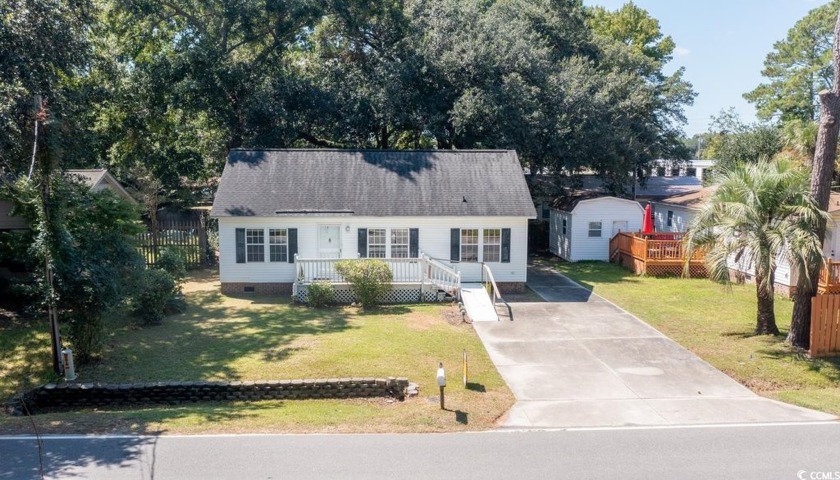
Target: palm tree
759	213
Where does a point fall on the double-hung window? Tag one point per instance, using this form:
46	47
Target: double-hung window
670	218
376	243
278	245
255	244
492	244
399	243
594	229
469	245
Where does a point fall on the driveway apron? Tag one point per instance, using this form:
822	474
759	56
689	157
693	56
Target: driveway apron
578	360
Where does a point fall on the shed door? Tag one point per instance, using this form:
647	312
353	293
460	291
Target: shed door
619	226
329	241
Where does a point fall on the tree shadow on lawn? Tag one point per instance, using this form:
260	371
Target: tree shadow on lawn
589	273
828	367
25	359
204	342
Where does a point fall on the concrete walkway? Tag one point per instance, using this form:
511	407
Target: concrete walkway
579	360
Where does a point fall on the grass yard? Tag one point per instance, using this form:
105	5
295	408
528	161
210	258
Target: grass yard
717	323
225	338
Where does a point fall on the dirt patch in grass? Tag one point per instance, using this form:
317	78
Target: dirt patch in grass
452	315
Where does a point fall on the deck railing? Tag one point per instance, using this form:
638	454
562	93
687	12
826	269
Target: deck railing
655	254
829	282
423	270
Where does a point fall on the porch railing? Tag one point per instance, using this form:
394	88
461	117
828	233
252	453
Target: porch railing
313	269
423	270
440	275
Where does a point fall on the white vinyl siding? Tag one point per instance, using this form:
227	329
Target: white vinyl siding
680	217
434	241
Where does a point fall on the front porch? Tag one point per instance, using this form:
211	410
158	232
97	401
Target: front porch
413	279
655	254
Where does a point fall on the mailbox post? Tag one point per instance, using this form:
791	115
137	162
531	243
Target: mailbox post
441	381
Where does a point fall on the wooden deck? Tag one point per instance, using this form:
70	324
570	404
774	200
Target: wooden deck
664	254
829	283
656	254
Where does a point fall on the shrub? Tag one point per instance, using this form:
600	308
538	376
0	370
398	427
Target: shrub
157	290
85	333
172	261
370	280
320	294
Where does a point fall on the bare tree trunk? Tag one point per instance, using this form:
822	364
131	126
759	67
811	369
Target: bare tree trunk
766	316
822	171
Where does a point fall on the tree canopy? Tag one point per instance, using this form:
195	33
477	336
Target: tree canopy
758	213
160	91
798	68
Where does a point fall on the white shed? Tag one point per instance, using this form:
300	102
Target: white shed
582	227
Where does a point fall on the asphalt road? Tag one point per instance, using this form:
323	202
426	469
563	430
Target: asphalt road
767	452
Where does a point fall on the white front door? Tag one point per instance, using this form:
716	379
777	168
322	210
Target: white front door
329	241
619	226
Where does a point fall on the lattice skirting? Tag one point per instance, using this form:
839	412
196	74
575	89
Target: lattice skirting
399	294
695	270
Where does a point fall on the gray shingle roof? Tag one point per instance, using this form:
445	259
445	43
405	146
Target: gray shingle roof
373	183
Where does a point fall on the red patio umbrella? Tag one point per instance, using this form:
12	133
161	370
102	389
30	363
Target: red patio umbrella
647	222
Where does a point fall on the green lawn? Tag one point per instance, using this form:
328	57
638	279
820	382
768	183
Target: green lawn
224	338
717	323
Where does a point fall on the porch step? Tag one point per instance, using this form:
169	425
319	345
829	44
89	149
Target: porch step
477	303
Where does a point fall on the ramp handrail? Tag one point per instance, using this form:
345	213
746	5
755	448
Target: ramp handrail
494	292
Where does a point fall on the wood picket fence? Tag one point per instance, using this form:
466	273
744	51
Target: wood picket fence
186	233
825	326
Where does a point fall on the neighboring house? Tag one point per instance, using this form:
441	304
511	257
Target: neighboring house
674	214
98	180
683	168
280	212
681	209
581	227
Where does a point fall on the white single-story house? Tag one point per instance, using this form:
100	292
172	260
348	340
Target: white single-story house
98	179
675	214
581	227
285	216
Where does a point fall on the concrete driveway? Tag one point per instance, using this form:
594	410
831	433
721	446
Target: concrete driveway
579	360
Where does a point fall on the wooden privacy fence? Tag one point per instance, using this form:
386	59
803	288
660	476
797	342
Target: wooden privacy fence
825	326
187	236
